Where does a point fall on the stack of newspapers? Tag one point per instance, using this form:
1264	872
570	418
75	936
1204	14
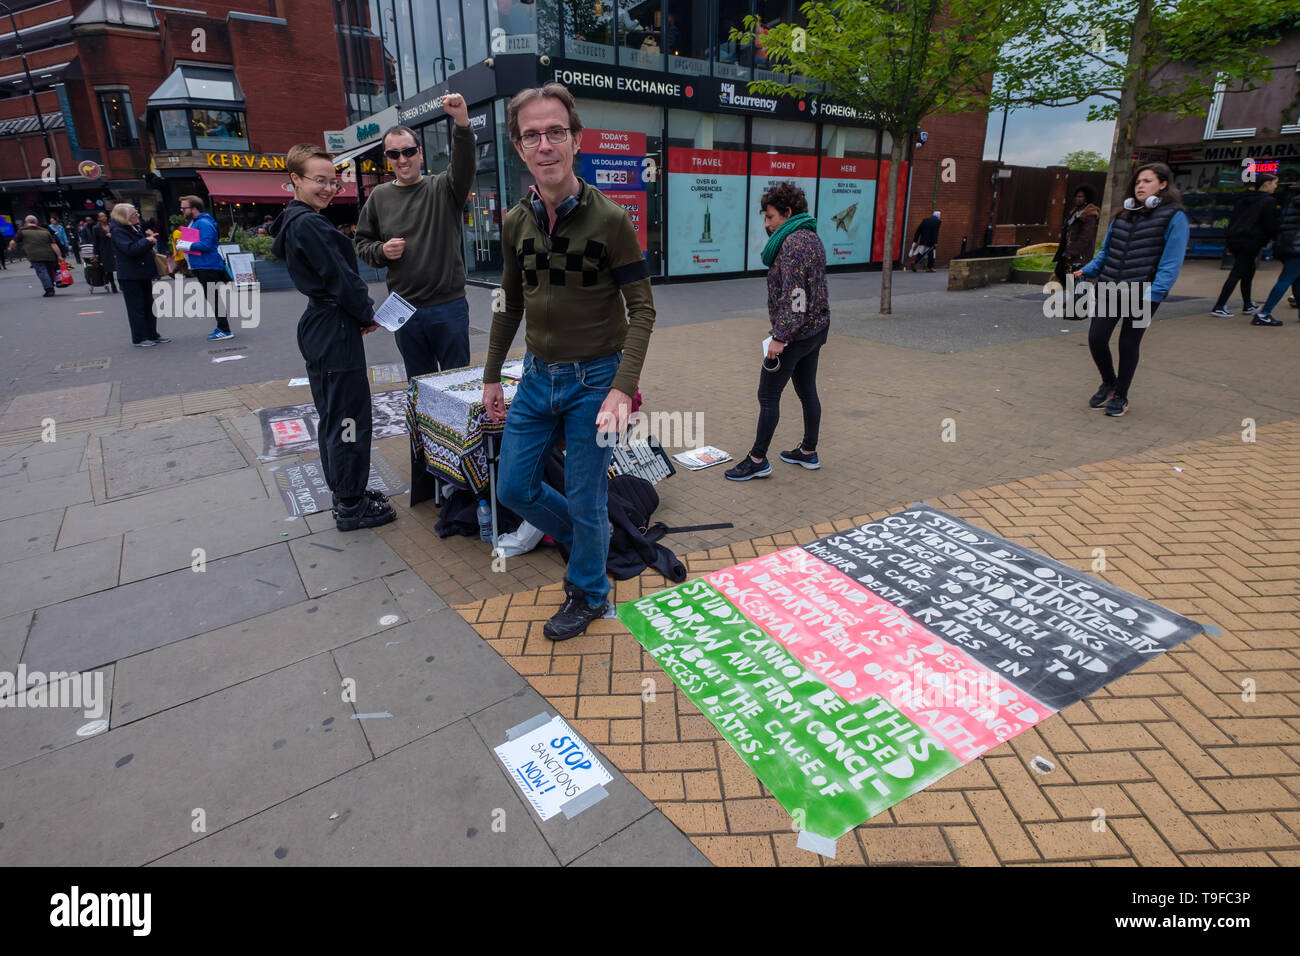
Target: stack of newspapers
698	458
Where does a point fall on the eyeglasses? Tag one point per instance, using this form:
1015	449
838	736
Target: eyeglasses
405	153
556	136
324	183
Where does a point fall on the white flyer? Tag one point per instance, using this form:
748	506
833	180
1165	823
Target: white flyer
393	314
552	765
766	343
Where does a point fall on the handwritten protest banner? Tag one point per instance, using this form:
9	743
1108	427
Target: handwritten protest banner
858	669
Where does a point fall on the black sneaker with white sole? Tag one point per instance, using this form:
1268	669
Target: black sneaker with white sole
366	512
1252	308
1264	318
1117	406
574	616
1221	313
748	468
807	459
1101	396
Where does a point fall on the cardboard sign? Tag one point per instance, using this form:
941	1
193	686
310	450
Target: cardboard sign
552	766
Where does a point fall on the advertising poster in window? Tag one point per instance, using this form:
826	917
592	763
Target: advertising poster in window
613	161
847	199
882	196
706	211
766	170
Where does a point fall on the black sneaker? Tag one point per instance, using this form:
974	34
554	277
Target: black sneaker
1221	313
162	341
1101	396
1252	308
48	293
800	457
1117	406
366	513
1265	319
748	468
573	616
146	344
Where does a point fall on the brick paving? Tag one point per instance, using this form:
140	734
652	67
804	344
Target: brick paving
1172	764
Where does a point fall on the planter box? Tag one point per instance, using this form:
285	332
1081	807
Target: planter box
976	273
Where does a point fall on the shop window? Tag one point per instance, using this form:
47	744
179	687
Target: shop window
430	66
846	194
640	34
769	13
588	30
174	129
731	58
476	36
218	129
686	37
780	152
408	83
118	119
707	175
512	26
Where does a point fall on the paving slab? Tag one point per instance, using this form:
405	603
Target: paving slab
189	669
651	841
13	635
329	560
66	461
170	546
414	596
94	630
27	731
62	404
160	456
49	495
128	796
430	803
568	838
86	522
427	674
30	535
60	575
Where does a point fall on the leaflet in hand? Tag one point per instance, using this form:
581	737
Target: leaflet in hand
698	458
393	314
767	343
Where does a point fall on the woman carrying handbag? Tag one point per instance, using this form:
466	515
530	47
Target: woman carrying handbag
134	248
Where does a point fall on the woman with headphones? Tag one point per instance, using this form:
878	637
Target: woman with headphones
1137	265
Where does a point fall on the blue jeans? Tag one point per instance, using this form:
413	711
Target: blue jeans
1290	273
555	400
46	271
435	338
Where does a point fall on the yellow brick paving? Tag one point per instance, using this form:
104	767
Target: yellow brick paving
1177	763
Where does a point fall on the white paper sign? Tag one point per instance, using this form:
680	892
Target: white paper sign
551	766
393	314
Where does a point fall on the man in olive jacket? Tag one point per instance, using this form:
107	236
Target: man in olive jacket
42	252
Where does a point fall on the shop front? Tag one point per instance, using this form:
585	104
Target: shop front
688	157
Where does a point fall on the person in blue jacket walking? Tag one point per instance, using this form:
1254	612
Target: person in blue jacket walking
1138	264
206	263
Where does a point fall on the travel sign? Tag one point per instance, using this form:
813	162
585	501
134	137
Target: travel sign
856	670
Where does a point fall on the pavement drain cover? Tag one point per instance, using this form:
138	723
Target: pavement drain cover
84	363
229	350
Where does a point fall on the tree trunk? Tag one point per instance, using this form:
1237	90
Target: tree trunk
1121	150
891	227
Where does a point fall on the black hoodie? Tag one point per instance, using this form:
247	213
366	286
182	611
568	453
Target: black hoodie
323	266
1254	218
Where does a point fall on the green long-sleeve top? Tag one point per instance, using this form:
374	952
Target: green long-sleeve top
427	215
574	285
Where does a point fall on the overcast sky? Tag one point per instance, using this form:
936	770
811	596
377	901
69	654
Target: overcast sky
1042	135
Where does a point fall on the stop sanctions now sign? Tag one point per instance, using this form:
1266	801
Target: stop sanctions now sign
89	168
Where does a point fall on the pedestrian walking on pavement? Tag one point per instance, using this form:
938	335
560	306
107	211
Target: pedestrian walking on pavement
1078	234
206	263
60	235
1139	260
1253	223
588	316
798	306
925	239
1287	248
323	267
133	248
41	250
101	235
412	227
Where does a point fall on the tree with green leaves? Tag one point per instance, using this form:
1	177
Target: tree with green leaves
895	62
1086	159
1129	58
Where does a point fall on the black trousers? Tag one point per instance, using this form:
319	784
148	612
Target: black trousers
343	402
798	362
1244	255
1130	346
138	294
435	338
210	280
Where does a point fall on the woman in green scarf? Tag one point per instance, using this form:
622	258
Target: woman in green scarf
799	308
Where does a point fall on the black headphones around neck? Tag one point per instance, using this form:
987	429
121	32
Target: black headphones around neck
562	210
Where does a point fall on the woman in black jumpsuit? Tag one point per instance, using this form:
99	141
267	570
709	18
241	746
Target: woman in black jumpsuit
323	266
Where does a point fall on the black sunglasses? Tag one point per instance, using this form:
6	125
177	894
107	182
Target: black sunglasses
406	153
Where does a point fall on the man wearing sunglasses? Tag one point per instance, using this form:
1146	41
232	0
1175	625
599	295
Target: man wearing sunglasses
412	227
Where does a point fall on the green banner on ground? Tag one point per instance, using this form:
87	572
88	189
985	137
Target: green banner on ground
830	763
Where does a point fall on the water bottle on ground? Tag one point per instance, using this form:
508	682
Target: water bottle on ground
484	520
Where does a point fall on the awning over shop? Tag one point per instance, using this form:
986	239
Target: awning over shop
259	187
357	153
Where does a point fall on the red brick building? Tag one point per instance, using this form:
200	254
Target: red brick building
153	102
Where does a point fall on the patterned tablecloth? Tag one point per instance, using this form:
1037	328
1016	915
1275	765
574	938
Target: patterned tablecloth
446	416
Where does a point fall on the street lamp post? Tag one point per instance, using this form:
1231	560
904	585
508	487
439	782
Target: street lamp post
40	119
